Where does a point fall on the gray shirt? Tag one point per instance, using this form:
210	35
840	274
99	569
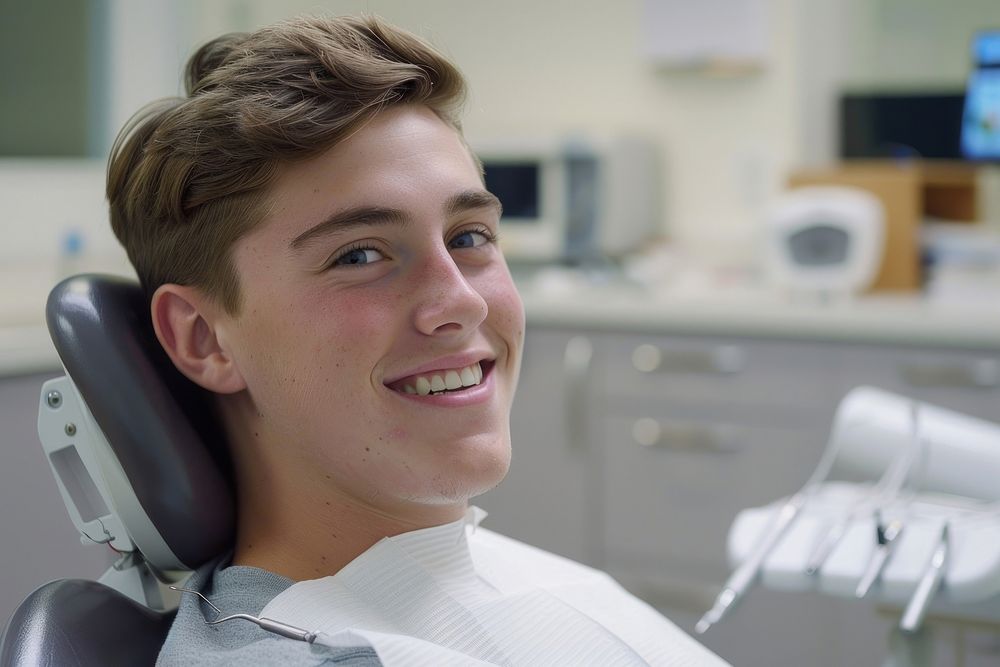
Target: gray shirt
239	589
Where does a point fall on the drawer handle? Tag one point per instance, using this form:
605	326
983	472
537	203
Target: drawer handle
721	360
577	359
685	436
980	374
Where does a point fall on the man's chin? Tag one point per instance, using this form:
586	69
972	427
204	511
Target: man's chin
474	480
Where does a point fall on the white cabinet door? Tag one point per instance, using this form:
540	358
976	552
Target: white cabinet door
697	430
964	380
754	381
669	505
669	509
545	499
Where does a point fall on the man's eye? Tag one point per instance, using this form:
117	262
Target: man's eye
359	256
472	239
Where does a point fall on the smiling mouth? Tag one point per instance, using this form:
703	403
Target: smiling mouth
444	381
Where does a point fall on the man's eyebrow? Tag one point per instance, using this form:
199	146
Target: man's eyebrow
472	199
378	215
347	219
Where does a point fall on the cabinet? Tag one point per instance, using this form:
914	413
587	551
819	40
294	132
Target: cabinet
908	191
636	456
545	501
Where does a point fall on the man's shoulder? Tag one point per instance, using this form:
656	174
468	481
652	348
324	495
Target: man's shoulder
272	650
191	641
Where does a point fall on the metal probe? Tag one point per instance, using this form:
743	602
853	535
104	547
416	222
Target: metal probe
746	574
929	584
277	627
885	536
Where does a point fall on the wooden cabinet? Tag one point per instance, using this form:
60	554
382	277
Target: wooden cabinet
639	459
908	191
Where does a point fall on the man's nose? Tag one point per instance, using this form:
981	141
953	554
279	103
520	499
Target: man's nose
445	300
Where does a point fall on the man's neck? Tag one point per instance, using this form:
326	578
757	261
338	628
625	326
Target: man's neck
312	535
296	522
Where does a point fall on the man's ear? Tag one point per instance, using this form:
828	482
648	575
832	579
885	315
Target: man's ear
184	321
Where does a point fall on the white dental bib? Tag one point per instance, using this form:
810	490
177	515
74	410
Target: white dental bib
459	595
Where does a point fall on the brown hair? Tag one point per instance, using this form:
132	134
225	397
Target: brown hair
187	177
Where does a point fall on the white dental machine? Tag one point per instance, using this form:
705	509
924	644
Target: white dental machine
904	507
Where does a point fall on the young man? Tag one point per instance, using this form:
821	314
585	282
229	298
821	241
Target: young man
321	253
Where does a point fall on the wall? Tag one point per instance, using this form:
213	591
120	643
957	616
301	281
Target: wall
44	199
914	43
575	67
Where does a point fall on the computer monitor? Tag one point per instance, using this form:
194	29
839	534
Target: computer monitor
981	116
901	124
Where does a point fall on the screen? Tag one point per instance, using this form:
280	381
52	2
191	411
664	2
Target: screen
981	118
516	186
819	246
901	125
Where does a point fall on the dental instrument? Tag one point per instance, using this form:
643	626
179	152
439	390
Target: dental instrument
829	542
746	574
887	488
277	627
886	534
916	608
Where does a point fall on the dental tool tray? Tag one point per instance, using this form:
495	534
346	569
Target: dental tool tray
971	583
920	480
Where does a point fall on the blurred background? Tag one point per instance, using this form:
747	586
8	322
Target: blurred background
691	324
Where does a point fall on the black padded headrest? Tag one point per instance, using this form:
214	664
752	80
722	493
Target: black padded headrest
79	623
159	424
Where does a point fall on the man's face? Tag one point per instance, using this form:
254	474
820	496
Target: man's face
375	278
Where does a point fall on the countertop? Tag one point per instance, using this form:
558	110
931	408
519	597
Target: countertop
25	345
573	302
892	319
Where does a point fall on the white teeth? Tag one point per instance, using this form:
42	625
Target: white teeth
458	378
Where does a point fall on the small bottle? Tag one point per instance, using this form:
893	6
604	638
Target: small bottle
71	247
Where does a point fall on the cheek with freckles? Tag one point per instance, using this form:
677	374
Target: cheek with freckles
506	311
353	316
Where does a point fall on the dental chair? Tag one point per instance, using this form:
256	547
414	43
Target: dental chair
139	460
